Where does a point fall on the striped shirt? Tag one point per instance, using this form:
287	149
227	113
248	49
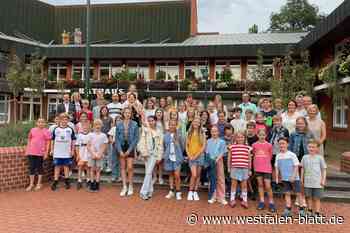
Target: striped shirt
240	156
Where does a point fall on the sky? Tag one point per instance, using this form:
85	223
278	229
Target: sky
228	16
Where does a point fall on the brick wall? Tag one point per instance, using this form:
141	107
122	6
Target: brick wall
345	162
14	172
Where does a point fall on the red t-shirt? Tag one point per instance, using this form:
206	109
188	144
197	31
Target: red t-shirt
262	155
89	114
240	155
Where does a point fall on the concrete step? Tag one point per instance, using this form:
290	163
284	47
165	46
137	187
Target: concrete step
337	175
336	196
338	185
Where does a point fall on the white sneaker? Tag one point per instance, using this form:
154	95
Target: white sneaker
223	202
178	196
130	190
161	181
212	201
190	196
124	191
108	170
195	196
170	195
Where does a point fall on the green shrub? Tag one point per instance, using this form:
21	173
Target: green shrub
15	134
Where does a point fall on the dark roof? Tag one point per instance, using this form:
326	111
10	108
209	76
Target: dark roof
113	22
337	22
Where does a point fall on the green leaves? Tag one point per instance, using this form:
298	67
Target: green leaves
295	16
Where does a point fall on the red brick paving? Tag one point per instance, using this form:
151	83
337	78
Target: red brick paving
80	211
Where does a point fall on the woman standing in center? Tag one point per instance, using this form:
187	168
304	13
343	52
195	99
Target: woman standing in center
173	158
195	148
127	137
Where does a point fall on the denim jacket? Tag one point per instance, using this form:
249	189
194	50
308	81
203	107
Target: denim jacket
178	147
133	136
295	140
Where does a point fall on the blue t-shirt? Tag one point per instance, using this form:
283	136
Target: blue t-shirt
285	162
215	148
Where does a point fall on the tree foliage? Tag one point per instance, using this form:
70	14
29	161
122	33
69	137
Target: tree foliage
297	77
254	29
295	16
262	75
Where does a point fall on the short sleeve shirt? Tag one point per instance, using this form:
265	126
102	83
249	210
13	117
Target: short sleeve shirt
262	157
313	166
215	148
63	139
97	140
285	163
38	140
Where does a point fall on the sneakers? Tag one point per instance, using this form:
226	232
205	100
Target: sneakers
287	213
233	204
97	186
223	202
161	181
195	196
130	190
302	212
124	191
88	184
93	187
170	195
244	204
212	201
190	196
272	208
261	206
54	185
79	185
67	184
178	196
144	197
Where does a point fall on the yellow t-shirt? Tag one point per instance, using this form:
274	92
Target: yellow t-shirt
194	146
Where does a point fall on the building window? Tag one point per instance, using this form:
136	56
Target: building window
167	71
4	109
141	71
54	101
57	72
340	113
235	68
108	71
3	63
194	70
78	71
30	108
252	67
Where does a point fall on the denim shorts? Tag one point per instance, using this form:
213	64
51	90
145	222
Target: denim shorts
196	162
62	161
313	192
240	174
289	186
171	166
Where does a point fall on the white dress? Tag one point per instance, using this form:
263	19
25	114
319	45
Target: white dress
289	122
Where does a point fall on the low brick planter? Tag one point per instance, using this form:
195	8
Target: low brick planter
345	162
14	171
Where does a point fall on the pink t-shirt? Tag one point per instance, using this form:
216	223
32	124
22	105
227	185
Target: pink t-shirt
259	126
262	154
37	140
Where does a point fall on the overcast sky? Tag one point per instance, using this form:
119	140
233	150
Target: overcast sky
229	16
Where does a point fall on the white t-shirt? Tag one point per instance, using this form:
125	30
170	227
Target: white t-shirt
285	162
239	125
115	109
214	117
289	122
112	132
82	142
183	116
149	112
97	140
63	140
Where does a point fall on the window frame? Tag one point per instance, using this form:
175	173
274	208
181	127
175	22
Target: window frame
7	108
31	103
339	104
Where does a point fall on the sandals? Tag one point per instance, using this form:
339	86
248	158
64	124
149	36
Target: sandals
38	187
29	188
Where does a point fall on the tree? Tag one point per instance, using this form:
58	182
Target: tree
262	75
296	78
21	76
295	16
254	29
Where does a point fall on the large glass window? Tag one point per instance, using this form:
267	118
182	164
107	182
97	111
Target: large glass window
57	72
78	71
194	70
30	108
234	67
167	71
340	113
4	108
54	100
252	67
3	64
140	69
108	70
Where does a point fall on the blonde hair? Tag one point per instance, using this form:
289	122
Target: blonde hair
313	106
200	130
314	142
98	122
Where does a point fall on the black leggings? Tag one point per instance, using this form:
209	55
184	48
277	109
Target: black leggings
35	165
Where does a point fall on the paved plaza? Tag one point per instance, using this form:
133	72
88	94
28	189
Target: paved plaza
79	211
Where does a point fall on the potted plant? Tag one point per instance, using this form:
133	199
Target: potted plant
161	75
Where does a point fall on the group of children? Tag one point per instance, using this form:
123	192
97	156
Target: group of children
236	155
